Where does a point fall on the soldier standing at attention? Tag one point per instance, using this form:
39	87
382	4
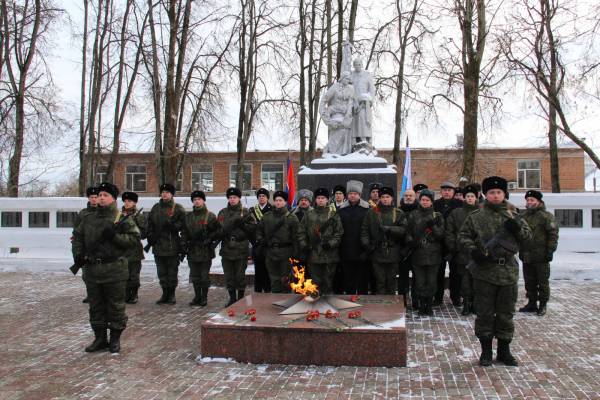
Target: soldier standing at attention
262	283
92	205
492	235
374	194
280	235
200	229
100	246
323	230
460	257
135	254
418	187
383	230
537	254
425	237
339	196
164	224
408	204
305	198
237	227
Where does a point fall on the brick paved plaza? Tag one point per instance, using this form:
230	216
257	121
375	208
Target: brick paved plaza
44	328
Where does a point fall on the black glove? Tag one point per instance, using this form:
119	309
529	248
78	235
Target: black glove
325	245
430	223
109	233
512	226
478	256
549	256
79	260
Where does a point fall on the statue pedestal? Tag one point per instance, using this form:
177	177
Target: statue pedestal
337	170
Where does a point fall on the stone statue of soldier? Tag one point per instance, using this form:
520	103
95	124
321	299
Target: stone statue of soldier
336	108
364	93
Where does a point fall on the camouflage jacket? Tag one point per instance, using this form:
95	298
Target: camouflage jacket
164	224
453	224
82	213
237	227
279	234
136	253
544	235
105	258
200	229
480	229
425	241
384	244
322	227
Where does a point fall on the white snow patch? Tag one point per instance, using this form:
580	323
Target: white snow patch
467	354
398	323
412	364
205	360
329	158
339	171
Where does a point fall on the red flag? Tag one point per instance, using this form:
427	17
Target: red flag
290	186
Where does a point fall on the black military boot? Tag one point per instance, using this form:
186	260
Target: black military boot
466	307
99	343
171	298
542	308
85	300
232	298
134	295
115	340
240	294
128	295
504	355
164	297
197	295
531	306
429	307
416	303
422	306
485	359
203	297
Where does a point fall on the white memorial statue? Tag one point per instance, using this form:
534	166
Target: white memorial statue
336	108
364	93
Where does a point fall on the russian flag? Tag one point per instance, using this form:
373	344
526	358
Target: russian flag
290	186
406	178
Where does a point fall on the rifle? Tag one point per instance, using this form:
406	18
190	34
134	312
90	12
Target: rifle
77	266
497	247
319	237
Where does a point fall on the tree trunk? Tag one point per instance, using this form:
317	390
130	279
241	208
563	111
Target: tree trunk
553	146
14	165
340	39
156	95
302	99
352	22
329	45
82	128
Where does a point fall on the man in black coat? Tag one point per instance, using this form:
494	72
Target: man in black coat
408	204
353	257
262	283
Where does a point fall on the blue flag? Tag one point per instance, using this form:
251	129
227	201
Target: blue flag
407	176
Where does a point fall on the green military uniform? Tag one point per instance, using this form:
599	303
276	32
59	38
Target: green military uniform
460	256
238	226
101	246
382	231
537	253
425	236
496	272
280	235
199	231
323	232
89	209
164	224
135	255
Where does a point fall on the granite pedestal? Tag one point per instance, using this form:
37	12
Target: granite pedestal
377	338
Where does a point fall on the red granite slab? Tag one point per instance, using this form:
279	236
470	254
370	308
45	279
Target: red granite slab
378	339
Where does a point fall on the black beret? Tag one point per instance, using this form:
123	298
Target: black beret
282	194
129	196
471	189
91	191
386	190
197	193
375	186
167	187
109	188
339	188
420	186
321	192
494	182
233	191
535	194
262	191
427	193
458	190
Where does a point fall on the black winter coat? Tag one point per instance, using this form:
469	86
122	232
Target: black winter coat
352	217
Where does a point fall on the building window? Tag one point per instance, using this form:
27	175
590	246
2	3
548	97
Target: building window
272	177
12	219
247	178
65	219
179	182
569	218
529	174
202	178
595	218
39	219
101	174
135	178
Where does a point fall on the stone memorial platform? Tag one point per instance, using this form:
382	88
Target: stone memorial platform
376	336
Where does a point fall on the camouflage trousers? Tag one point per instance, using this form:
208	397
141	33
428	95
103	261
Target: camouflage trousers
134	267
466	287
278	270
495	308
199	272
425	280
322	274
235	273
167	268
385	277
537	281
107	304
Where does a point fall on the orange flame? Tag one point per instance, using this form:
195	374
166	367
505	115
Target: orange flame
304	286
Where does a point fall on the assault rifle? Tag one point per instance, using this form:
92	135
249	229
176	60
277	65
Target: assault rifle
498	247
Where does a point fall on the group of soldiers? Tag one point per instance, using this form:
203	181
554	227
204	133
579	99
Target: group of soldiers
347	244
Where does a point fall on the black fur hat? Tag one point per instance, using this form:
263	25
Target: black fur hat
167	187
339	188
91	191
129	196
233	191
197	193
535	194
262	191
109	188
420	186
321	192
471	189
494	182
282	194
386	190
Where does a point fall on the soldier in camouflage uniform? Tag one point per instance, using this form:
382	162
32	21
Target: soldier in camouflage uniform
262	283
537	254
100	247
135	254
280	236
237	227
92	205
408	204
383	230
492	236
164	224
425	237
460	257
200	229
323	231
